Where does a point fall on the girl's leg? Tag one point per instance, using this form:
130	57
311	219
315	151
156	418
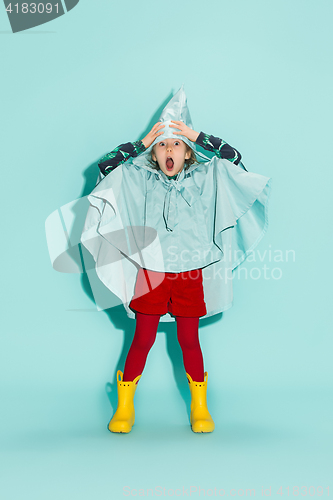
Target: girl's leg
144	338
188	338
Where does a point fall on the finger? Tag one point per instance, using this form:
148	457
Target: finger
159	126
157	132
155	127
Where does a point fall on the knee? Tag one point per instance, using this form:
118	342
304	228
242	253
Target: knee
144	342
188	333
188	342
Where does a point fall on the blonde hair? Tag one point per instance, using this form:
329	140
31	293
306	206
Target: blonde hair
192	159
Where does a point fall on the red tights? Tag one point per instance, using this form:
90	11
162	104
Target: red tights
144	338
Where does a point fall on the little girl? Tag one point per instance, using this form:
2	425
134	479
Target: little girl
170	205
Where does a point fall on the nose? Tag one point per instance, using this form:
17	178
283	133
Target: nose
169	147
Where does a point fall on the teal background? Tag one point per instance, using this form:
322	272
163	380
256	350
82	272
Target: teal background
259	75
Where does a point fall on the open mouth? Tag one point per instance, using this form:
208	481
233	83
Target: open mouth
169	163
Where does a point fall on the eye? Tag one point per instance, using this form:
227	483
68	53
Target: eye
176	143
161	144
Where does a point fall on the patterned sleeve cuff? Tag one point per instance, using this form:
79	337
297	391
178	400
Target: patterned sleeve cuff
138	147
202	139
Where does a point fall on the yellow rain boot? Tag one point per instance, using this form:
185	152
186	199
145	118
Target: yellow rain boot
200	418
124	417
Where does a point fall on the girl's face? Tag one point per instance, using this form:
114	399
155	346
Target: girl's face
170	154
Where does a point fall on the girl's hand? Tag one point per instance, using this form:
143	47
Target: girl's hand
186	131
151	136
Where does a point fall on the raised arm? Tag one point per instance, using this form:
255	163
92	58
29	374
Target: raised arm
219	147
129	150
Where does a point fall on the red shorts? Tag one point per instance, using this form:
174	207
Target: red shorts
180	294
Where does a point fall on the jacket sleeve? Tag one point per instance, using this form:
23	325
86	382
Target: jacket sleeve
219	147
119	155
